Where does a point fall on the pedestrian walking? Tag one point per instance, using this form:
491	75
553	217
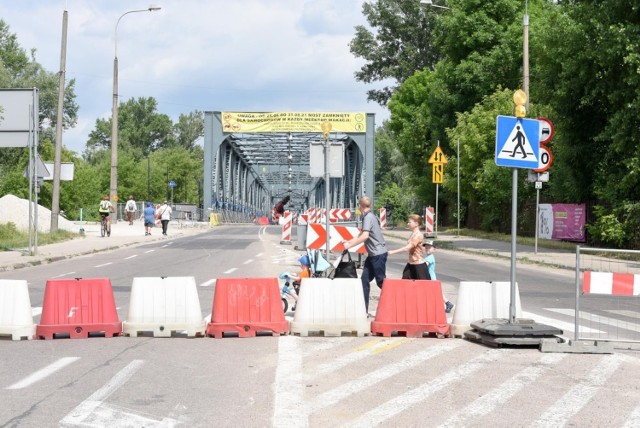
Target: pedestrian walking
130	208
430	260
375	265
149	218
164	213
416	267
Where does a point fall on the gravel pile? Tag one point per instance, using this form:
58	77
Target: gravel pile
15	210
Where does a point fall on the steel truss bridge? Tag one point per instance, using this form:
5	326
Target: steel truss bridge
251	172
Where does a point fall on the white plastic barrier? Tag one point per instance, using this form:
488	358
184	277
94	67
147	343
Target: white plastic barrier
331	307
15	310
479	300
164	305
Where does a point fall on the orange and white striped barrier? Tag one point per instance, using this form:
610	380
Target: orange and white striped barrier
428	220
317	238
616	284
286	219
383	218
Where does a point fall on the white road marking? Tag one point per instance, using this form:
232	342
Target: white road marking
566	327
230	270
347	389
130	257
352	357
630	314
84	409
325	345
259	254
597	319
149	251
36	310
63	274
634	419
487	403
402	402
578	396
43	373
289	409
165	245
208	283
248	261
104	264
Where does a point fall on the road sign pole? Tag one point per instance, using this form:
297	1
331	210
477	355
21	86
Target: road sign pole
435	217
514	231
535	247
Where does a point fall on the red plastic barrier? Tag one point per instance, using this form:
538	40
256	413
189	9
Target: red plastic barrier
411	307
78	307
247	306
263	221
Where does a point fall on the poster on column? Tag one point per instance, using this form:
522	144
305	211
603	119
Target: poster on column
545	221
569	221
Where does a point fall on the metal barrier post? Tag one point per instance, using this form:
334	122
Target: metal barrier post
577	312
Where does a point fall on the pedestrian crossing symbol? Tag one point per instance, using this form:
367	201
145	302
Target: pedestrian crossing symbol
517	142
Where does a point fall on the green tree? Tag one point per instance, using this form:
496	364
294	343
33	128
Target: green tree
141	130
398	44
189	128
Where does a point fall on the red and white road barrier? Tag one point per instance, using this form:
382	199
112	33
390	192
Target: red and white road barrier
383	218
317	237
428	219
616	284
286	219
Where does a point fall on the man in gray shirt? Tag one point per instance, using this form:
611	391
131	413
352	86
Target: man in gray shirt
375	266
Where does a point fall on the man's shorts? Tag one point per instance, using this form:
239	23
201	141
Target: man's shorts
104	214
149	224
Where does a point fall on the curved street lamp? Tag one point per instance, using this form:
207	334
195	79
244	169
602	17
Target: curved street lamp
113	187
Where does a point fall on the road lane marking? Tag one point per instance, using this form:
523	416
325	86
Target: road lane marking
165	245
248	261
63	274
289	409
488	402
634	419
402	402
566	327
43	373
343	361
259	254
324	345
208	283
84	409
579	395
382	373
597	319
104	264
130	257
149	251
230	270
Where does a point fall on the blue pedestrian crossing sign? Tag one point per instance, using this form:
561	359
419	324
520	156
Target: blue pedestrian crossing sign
517	142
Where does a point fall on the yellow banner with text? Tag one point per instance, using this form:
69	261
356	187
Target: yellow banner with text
238	122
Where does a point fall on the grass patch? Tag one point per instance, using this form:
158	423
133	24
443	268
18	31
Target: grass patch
12	238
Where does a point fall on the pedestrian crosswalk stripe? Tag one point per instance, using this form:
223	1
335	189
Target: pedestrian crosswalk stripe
488	402
579	395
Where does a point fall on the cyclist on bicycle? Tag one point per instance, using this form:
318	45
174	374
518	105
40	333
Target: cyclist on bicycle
104	209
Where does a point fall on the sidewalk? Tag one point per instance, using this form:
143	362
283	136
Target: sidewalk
122	235
524	253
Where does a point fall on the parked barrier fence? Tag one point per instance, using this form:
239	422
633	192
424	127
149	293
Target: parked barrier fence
607	307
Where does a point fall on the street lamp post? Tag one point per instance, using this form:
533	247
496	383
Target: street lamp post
113	188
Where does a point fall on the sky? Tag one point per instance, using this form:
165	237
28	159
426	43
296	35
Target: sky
213	55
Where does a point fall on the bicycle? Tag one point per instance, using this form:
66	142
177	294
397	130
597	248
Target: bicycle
103	225
286	291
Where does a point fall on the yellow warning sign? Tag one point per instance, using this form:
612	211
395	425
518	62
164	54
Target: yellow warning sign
437	157
438	173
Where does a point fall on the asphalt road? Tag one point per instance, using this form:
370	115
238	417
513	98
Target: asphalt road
291	381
